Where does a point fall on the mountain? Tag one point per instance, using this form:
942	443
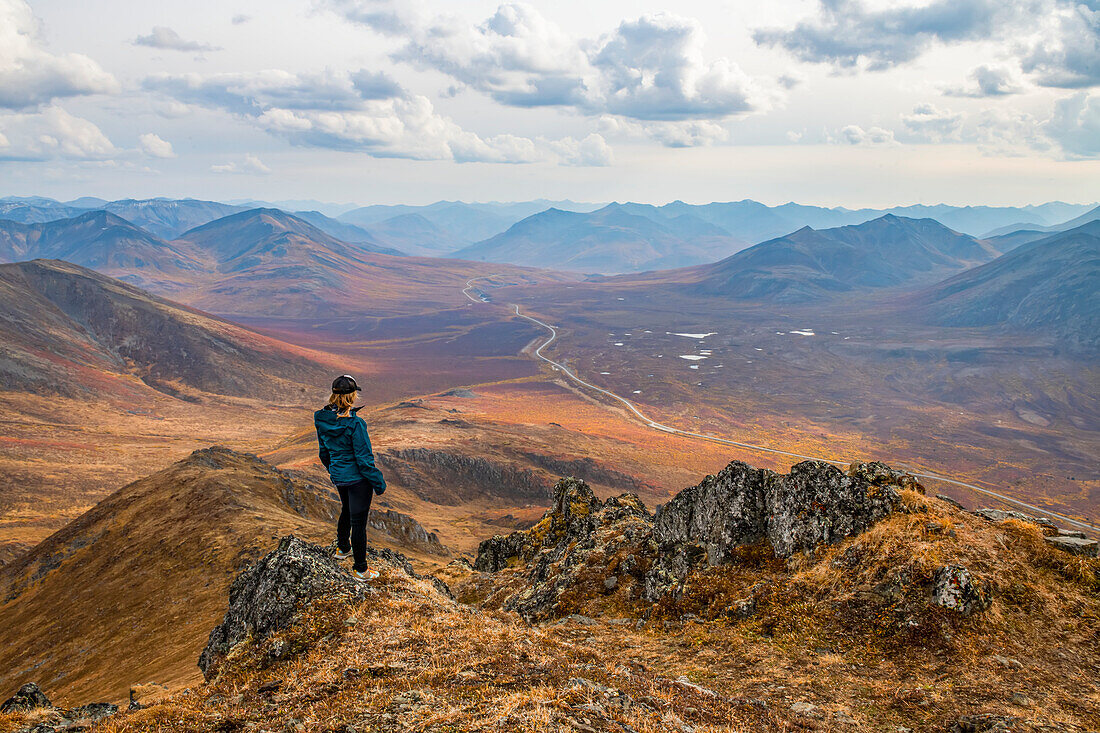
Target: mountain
610	240
163	218
1091	215
752	221
266	237
809	264
457	222
415	234
1050	287
104	242
169	218
346	232
70	330
35	210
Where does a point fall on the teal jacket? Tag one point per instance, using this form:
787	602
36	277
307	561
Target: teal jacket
345	449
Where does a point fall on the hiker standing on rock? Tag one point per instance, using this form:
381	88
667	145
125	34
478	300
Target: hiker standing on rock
346	453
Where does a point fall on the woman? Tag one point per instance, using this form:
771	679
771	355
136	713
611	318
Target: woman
346	453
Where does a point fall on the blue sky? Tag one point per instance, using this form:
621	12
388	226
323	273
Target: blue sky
835	102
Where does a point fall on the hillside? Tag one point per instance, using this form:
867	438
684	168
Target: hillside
104	242
70	330
1049	287
813	600
610	240
811	265
156	559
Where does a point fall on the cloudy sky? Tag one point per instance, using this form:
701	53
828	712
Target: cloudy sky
836	102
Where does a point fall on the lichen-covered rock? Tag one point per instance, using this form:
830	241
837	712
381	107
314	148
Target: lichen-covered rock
703	524
953	588
28	697
581	545
582	540
571	515
816	503
266	597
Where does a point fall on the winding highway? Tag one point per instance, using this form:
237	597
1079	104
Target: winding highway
649	422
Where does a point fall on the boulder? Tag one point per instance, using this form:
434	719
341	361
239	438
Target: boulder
266	597
29	697
1075	545
953	588
999	515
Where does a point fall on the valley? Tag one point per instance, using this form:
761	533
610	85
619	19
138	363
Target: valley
484	384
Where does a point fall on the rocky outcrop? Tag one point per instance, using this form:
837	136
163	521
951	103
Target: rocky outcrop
1075	545
29	697
583	545
407	531
266	597
816	503
443	477
953	588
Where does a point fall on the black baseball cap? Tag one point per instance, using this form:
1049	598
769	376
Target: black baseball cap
345	384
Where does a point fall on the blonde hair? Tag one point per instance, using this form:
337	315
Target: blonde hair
343	402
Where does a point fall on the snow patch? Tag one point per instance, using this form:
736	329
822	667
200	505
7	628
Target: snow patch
692	357
692	335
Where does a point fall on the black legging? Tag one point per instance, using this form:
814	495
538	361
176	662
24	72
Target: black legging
354	508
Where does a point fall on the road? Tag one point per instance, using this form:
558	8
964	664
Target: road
557	366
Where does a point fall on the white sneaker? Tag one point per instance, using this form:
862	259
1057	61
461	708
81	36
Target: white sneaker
365	575
342	554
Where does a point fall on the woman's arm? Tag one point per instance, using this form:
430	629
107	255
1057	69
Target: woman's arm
364	457
323	452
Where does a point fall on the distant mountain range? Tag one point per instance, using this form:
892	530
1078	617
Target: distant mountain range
259	262
1050	287
809	265
611	239
71	330
446	227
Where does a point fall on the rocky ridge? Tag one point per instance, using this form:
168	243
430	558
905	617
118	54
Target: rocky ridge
650	556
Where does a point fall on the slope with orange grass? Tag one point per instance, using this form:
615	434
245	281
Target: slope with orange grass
842	638
128	591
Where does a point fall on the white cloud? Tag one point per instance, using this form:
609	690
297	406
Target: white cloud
1075	125
987	82
931	123
856	135
250	164
1065	52
647	70
53	133
593	150
240	19
358	112
167	39
155	147
30	76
